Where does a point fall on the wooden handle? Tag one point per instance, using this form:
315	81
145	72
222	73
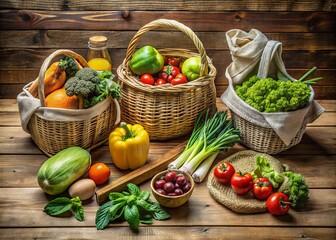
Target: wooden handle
140	175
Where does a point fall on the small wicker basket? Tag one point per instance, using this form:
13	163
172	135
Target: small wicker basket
52	136
263	139
167	111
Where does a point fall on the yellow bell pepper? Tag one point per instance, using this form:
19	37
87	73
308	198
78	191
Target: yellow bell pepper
129	146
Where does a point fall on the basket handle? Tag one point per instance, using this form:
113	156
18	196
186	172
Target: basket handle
47	63
117	105
171	24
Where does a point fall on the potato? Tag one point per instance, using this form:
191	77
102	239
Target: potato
84	189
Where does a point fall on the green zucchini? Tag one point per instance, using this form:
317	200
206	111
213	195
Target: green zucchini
61	170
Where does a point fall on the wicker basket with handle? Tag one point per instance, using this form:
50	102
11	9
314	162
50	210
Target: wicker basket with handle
166	111
54	129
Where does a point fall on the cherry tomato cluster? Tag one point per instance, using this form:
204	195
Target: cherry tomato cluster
170	73
172	184
242	183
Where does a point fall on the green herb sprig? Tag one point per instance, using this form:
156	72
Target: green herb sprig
62	205
133	205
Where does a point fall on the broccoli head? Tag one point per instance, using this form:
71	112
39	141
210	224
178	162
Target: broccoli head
83	85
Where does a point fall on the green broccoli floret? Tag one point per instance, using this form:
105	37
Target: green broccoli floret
296	188
68	64
83	85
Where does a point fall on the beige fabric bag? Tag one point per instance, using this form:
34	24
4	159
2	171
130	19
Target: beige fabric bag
252	54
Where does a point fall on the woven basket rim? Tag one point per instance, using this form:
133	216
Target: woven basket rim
128	78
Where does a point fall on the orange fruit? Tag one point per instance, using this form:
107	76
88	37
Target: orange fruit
99	173
59	99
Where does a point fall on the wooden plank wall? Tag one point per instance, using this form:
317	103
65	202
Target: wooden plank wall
31	30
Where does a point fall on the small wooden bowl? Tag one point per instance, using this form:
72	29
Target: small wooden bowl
172	201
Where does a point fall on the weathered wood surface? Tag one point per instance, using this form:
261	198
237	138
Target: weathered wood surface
174	5
22	201
31	31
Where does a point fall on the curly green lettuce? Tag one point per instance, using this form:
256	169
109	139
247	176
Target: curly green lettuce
270	95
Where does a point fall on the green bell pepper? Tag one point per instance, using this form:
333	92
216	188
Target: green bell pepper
146	60
191	68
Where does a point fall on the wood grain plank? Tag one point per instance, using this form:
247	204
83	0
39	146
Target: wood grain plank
200	210
327	119
295	22
26	75
316	140
33	58
44	39
180	233
21	171
176	5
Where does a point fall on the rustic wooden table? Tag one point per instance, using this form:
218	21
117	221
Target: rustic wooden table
22	201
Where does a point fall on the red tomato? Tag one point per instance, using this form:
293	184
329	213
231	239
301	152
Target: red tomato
223	172
168	73
160	81
179	79
147	79
278	203
241	183
173	61
262	188
99	173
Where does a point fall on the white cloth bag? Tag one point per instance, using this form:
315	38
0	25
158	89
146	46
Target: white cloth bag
253	54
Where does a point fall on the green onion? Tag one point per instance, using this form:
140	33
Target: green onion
210	137
203	169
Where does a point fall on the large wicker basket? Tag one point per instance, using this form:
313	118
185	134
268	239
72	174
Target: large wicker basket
90	130
166	111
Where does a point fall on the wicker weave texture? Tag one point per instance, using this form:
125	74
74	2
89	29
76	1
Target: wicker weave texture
242	161
263	139
167	111
53	136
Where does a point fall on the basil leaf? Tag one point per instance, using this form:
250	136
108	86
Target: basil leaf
119	213
132	216
145	205
114	209
77	208
115	195
125	193
103	216
58	206
159	213
144	195
78	211
133	189
146	221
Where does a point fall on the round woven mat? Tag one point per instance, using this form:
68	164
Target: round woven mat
242	161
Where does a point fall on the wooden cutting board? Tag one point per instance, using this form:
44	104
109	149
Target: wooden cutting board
141	174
